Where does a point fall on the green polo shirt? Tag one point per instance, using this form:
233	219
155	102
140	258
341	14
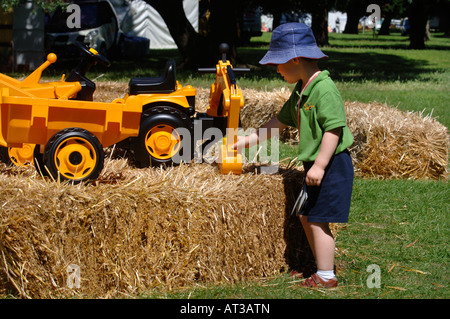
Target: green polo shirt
321	110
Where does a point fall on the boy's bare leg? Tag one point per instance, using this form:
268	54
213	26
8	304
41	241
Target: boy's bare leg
321	241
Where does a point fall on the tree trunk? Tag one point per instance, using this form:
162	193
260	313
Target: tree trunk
276	19
418	18
384	30
445	20
224	29
355	11
319	26
351	27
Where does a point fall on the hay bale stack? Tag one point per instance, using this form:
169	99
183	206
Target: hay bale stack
135	229
396	144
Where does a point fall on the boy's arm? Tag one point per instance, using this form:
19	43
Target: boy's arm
328	146
253	139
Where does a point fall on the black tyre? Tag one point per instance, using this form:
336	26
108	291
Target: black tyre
165	137
4	157
74	154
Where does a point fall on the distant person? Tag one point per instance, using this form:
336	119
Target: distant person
374	30
316	109
338	25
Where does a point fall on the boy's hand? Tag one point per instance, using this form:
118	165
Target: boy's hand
245	142
315	175
327	147
253	139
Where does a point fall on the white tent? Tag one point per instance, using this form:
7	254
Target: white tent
267	20
138	18
333	16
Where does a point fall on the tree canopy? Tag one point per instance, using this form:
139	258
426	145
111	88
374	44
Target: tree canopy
47	5
222	20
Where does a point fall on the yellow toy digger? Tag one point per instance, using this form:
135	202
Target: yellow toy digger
59	127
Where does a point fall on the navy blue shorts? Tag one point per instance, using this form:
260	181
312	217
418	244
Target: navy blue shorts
330	202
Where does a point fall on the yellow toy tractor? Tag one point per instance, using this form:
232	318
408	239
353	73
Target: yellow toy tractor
58	126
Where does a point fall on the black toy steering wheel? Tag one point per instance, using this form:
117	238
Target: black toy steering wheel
94	57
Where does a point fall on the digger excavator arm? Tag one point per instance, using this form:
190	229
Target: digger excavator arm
226	100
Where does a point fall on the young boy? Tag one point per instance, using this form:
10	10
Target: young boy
315	107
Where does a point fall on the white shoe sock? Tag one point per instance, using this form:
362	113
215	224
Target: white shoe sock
325	274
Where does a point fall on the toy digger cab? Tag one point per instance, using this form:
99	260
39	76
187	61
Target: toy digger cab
60	129
166	83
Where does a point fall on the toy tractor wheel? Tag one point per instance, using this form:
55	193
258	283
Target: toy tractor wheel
162	138
39	161
18	156
74	154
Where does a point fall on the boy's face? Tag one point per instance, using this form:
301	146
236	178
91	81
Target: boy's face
290	70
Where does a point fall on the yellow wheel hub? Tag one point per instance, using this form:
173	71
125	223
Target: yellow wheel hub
162	141
21	156
75	158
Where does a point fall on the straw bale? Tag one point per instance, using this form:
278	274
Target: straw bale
135	229
106	91
396	144
388	142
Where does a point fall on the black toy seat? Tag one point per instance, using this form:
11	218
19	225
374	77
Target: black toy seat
165	83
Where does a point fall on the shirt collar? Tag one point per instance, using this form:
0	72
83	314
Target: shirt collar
322	75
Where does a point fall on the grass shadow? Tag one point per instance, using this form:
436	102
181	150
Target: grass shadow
349	61
349	66
374	66
121	69
298	253
393	41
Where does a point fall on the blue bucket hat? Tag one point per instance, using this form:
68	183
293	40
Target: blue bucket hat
292	40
